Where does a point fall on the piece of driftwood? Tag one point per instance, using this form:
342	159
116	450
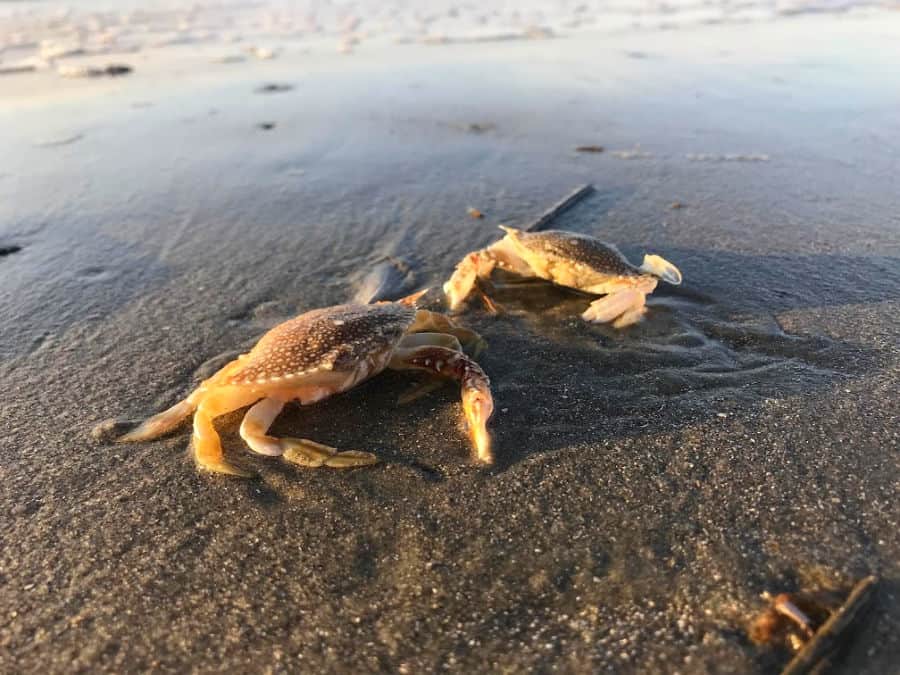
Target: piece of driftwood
566	203
828	638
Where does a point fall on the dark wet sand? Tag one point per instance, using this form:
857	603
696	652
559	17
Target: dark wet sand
650	484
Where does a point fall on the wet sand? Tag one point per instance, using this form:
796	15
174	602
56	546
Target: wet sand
650	483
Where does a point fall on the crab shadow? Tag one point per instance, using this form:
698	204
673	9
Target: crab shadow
417	442
559	382
781	282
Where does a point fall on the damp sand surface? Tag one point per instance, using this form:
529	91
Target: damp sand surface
650	483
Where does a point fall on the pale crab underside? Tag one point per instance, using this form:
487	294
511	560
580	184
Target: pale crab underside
568	259
316	355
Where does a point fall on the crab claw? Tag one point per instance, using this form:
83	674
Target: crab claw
478	406
412	299
475	387
460	285
476	265
662	268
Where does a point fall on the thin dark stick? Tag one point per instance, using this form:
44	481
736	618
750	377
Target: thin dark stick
828	637
568	202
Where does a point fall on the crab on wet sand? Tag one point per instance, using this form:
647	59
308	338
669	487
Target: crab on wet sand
568	259
316	355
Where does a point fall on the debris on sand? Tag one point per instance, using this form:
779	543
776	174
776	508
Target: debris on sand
732	157
55	142
230	58
527	33
564	204
474	127
112	70
829	638
677	205
632	154
116	69
262	53
590	148
474	213
274	88
9	250
50	51
18	68
347	43
266	126
805	623
786	615
389	279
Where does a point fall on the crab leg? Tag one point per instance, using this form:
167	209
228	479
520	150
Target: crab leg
621	308
476	388
305	452
433	340
161	423
433	382
476	265
435	322
207	447
257	422
297	450
480	264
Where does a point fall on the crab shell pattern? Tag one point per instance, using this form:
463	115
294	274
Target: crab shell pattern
316	355
569	259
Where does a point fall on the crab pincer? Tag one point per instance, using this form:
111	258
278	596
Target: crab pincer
478	405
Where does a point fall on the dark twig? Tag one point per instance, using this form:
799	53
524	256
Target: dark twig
568	202
828	637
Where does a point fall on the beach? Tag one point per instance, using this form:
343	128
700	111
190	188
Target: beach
650	484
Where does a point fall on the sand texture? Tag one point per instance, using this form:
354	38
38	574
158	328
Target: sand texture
649	484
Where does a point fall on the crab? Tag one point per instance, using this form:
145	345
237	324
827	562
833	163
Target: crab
569	259
316	355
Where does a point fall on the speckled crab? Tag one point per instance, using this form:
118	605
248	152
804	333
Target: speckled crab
316	355
568	259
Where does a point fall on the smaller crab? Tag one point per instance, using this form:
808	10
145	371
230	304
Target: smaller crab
568	259
316	355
